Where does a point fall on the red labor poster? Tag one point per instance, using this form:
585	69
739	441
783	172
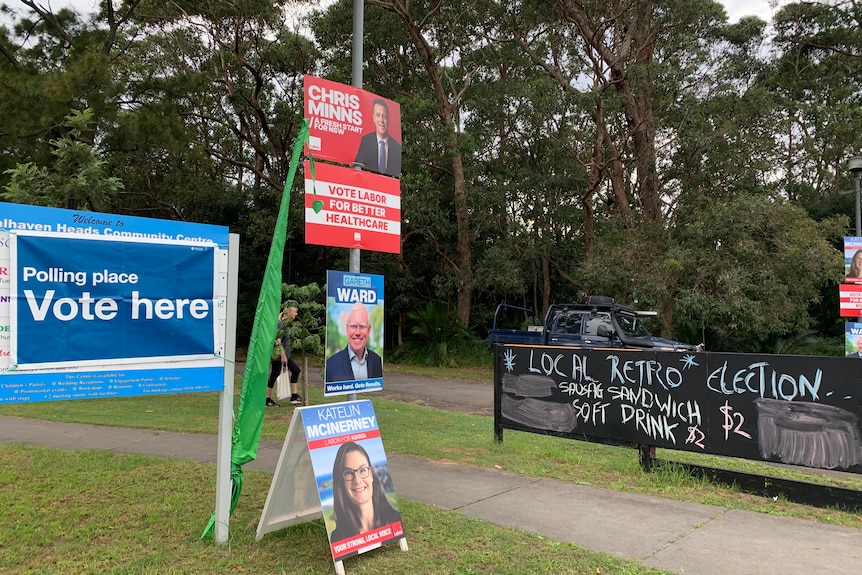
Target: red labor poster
850	300
349	208
351	126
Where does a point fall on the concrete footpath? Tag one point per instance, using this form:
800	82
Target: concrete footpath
679	537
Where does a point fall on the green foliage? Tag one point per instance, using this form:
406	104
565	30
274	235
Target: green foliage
754	267
308	331
744	269
439	340
809	342
77	178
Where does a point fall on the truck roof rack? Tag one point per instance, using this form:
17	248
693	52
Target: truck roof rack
597	300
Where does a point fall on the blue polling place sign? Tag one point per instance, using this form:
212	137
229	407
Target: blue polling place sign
99	299
96	305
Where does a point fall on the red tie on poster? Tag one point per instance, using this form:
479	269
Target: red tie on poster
349	208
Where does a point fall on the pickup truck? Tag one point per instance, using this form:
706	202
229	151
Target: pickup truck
597	321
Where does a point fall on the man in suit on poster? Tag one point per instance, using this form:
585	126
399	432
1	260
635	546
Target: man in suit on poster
356	361
379	151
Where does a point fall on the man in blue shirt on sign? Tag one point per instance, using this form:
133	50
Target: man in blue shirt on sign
356	361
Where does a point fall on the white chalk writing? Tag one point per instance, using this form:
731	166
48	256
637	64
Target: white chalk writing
733	421
644	372
757	378
696	436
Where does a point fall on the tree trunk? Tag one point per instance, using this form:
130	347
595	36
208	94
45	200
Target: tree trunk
464	249
623	43
447	110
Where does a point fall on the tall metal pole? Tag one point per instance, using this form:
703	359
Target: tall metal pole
854	164
857	174
358	33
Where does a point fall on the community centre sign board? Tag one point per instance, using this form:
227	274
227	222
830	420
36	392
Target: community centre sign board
101	305
798	410
324	445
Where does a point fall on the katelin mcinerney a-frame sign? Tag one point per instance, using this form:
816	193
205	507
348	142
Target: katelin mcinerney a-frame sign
333	465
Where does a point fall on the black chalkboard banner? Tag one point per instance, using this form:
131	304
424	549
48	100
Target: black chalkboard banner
799	410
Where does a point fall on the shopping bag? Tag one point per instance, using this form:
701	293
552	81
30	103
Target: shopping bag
282	385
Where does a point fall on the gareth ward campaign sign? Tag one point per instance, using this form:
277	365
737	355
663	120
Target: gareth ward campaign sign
99	305
354	333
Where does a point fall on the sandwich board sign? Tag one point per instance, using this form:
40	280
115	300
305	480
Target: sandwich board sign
333	466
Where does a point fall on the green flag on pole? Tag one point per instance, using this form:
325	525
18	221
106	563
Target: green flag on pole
248	422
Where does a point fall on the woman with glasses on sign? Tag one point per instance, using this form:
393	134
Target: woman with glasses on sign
359	502
854	274
356	361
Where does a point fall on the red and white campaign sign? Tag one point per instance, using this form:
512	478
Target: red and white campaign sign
349	208
351	126
850	296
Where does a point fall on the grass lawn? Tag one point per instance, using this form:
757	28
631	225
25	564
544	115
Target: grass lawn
99	512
